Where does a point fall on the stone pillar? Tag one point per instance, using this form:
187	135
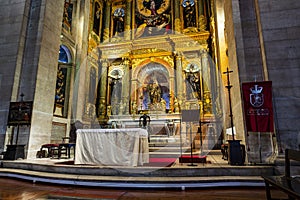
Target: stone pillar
177	16
128	16
38	79
107	21
11	65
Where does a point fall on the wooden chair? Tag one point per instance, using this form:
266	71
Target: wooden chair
286	183
65	147
52	150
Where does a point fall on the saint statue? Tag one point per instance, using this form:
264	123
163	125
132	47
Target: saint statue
119	21
154	92
189	13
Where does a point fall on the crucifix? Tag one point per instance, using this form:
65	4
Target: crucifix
228	86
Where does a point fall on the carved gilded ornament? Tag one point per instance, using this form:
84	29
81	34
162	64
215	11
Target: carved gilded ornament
106	34
177	25
202	23
92	45
168	59
137	62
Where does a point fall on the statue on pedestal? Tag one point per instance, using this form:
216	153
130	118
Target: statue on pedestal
154	92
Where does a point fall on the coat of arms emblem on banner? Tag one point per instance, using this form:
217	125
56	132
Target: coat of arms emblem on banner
256	98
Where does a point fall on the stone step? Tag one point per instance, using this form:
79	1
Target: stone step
170	155
48	166
164	140
168	149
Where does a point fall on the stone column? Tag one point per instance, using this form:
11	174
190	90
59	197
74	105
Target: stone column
107	21
171	93
177	16
134	100
126	87
38	77
179	79
128	16
207	86
205	71
103	89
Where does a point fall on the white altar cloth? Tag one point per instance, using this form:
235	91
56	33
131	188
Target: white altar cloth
121	147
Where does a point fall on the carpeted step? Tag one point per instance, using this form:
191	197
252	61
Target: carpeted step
192	159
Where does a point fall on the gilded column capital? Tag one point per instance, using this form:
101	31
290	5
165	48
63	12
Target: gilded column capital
178	56
108	2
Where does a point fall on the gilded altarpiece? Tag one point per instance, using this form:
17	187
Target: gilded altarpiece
144	65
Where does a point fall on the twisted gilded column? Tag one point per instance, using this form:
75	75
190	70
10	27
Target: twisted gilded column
134	100
128	16
202	21
177	16
107	21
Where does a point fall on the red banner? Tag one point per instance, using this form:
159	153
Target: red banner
258	106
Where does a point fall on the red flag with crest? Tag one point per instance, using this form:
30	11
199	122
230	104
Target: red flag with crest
258	106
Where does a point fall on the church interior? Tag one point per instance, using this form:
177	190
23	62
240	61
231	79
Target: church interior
159	65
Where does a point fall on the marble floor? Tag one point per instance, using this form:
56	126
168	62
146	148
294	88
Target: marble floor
12	189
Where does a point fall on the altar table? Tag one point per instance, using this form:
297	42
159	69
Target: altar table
120	147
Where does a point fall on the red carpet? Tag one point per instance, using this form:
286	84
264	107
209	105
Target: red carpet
195	159
160	162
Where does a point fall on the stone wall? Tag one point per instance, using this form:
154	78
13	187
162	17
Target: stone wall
44	52
14	15
30	38
281	28
263	44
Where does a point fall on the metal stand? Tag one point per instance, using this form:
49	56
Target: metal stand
190	116
191	141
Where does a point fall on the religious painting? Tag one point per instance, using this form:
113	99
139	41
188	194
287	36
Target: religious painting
60	86
67	16
92	85
97	18
20	113
153	17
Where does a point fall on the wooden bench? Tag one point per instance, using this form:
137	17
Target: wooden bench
286	183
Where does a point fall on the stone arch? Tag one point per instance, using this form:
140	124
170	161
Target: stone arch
154	77
160	61
65	55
